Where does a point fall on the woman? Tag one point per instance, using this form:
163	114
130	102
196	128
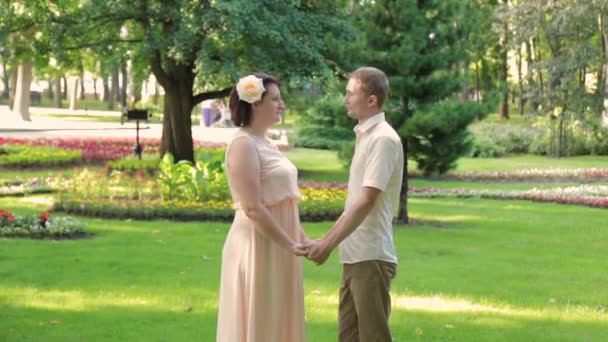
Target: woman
261	295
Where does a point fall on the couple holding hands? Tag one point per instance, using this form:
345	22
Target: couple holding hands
261	292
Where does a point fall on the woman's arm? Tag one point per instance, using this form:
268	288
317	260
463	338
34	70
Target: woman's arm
243	167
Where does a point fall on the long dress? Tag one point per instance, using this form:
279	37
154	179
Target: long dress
261	296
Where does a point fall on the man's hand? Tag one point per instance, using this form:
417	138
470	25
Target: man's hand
318	251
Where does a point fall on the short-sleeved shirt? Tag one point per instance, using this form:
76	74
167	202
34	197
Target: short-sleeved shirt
377	163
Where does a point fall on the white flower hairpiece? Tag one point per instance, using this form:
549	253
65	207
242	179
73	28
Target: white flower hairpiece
250	89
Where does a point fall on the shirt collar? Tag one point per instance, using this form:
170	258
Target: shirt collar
369	123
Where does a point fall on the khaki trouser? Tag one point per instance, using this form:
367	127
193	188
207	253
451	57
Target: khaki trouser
365	301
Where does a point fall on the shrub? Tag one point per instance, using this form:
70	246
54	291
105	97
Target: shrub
326	138
492	140
38	156
325	125
149	165
582	136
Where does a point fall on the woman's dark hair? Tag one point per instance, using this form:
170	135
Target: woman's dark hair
240	111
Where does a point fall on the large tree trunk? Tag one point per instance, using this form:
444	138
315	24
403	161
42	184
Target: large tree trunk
74	84
13	87
57	93
178	82
22	90
177	122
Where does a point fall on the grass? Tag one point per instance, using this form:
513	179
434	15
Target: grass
324	165
470	270
528	161
514	119
317	165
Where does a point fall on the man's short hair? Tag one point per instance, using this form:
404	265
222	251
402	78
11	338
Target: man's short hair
374	82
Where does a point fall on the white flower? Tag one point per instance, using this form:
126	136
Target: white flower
250	89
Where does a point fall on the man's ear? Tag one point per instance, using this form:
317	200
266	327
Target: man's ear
372	101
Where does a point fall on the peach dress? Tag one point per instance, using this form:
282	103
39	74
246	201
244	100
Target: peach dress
261	296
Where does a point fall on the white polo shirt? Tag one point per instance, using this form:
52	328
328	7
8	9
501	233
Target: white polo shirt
378	163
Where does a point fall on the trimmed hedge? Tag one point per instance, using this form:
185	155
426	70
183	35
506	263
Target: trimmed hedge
22	156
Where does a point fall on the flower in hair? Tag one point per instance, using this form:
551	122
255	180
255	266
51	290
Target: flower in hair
250	89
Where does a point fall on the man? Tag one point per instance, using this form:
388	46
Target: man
364	231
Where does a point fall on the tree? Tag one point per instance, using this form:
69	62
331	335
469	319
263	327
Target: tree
567	36
420	46
196	49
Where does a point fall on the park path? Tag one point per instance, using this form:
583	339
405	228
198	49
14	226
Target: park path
42	126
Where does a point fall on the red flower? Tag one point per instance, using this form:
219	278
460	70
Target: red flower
43	216
7	214
139	174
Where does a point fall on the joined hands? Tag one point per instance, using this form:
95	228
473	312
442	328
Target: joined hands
316	251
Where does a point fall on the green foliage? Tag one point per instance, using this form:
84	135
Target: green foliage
195	49
492	140
132	164
581	136
319	137
202	181
346	153
325	124
422	56
438	134
36	156
150	163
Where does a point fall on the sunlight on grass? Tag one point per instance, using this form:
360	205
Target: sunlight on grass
438	304
40	200
80	301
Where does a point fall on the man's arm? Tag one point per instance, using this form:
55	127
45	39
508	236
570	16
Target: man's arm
347	223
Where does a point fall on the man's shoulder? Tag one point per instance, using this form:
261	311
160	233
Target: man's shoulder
385	132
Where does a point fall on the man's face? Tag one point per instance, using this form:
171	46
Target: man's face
355	99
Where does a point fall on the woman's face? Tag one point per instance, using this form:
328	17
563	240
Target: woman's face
268	111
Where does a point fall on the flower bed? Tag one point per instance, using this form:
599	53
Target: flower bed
30	186
319	202
41	226
588	195
99	150
529	175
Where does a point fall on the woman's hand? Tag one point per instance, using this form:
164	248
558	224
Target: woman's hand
299	250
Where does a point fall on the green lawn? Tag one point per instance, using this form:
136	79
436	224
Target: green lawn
323	165
470	270
511	163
